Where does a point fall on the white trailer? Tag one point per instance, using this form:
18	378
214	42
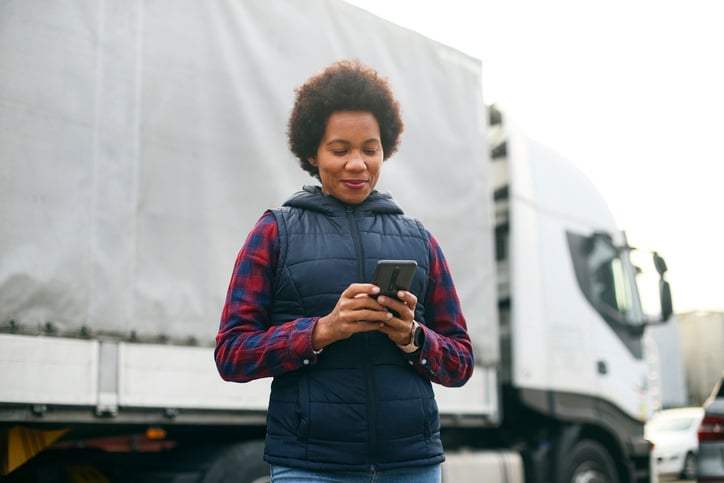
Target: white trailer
140	141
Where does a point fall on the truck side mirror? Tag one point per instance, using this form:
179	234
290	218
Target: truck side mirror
660	264
667	306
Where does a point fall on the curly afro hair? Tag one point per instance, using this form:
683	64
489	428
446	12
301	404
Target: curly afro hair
345	85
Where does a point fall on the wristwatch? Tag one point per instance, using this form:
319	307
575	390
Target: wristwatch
417	338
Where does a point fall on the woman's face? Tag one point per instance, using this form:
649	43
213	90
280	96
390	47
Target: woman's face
349	156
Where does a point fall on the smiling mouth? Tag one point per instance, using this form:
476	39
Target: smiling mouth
355	183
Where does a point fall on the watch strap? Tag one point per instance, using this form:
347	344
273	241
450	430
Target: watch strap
410	347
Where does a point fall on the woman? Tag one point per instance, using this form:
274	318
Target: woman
351	398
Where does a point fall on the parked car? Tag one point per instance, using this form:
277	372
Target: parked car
674	435
711	437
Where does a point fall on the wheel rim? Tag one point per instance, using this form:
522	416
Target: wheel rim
690	466
588	473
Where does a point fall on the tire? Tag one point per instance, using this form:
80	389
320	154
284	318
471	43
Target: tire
689	470
589	462
240	463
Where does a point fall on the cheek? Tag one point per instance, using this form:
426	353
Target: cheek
376	168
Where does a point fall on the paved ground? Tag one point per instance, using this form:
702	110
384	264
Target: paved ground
669	479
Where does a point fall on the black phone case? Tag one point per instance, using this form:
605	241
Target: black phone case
394	275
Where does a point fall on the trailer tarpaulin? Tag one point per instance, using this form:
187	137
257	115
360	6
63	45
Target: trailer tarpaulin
140	141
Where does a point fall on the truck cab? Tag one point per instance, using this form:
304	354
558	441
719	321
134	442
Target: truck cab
574	299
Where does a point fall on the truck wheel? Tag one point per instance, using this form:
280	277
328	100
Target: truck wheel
239	463
689	471
589	462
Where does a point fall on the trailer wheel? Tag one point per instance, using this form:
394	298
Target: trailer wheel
589	462
239	463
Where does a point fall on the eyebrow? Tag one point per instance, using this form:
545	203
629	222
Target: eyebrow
344	141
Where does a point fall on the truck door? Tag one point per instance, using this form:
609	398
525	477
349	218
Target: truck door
608	280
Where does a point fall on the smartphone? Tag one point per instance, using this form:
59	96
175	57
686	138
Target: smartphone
394	275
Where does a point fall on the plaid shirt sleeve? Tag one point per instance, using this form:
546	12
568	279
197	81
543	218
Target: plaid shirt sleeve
247	345
446	356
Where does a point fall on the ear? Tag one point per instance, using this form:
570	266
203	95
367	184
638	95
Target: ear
312	160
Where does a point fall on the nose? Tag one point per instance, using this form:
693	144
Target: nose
355	161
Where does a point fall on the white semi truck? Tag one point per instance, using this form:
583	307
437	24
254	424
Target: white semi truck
140	141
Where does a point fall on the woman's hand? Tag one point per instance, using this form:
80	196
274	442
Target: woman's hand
356	311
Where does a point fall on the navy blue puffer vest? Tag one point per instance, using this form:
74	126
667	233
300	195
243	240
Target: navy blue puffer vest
362	405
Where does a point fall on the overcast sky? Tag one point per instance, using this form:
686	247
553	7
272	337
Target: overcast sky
631	91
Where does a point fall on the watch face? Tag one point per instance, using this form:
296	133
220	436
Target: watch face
419	336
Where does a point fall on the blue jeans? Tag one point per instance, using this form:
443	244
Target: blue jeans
422	474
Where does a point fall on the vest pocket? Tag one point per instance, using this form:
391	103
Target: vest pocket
286	417
302	407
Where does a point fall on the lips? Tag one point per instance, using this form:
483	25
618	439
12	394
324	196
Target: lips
355	184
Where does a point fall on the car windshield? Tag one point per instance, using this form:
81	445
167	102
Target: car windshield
672	422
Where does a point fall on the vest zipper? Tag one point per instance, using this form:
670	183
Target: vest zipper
357	240
362	276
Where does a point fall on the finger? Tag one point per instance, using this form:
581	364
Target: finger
374	316
368	326
397	331
352	311
358	289
403	310
408	297
363	302
356	297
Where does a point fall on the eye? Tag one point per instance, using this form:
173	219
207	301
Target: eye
339	152
371	151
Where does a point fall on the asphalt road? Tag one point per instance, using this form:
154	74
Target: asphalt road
664	479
